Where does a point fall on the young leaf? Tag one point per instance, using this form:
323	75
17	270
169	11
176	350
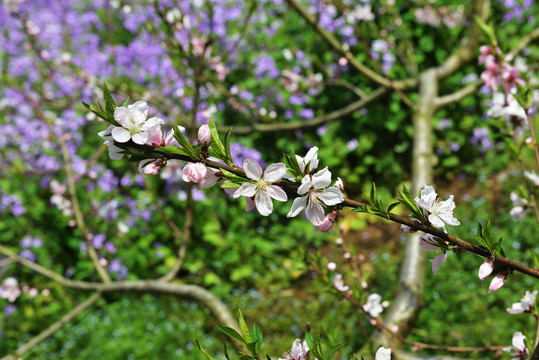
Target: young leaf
228	159
215	141
231	332
233	177
392	206
226	351
256	334
98	113
110	105
125	102
172	150
181	139
203	352
333	350
244	329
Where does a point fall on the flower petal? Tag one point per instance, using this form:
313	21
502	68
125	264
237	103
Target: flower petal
322	179
436	221
140	106
122	115
428	197
120	134
246	189
252	169
437	262
331	196
250	204
298	206
315	213
263	203
140	138
274	172
151	122
306	184
277	193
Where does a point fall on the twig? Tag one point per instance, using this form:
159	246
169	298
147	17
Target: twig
458	95
58	324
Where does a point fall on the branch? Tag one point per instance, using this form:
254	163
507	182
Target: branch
336	45
467	51
524	43
317	121
54	327
457	95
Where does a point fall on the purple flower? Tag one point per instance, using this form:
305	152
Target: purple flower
98	241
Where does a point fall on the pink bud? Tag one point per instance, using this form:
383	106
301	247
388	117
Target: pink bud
339	185
485	269
154	167
395	329
326	225
407	229
498	281
204	134
338	241
194	172
331	266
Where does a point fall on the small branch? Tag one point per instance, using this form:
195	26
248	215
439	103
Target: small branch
458	95
336	45
524	43
314	122
57	325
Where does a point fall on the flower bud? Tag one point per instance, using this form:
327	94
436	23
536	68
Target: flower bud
485	269
154	167
498	281
331	266
407	229
194	172
326	225
339	185
204	134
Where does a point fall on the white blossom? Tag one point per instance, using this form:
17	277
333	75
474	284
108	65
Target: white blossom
526	304
373	306
440	212
134	124
383	354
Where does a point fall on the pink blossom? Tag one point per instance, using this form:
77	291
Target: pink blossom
383	354
10	289
498	281
204	134
520	352
194	172
485	269
299	351
315	193
262	190
329	221
338	283
211	178
438	261
524	305
134	125
331	266
373	305
151	166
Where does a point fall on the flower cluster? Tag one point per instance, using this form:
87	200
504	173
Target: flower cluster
525	305
498	71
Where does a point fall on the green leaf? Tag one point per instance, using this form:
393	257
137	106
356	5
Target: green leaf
215	141
256	334
233	177
228	159
392	206
110	105
535	258
182	140
333	350
203	352
230	185
226	351
98	113
231	332
244	329
125	102
170	149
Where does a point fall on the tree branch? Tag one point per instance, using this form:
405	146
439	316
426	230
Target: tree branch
56	326
458	95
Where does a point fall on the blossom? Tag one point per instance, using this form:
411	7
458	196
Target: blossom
533	177
498	281
525	305
383	354
438	261
485	269
10	289
519	349
329	220
262	190
520	206
194	172
299	351
506	106
338	283
310	159
428	242
134	124
440	212
158	138
211	178
315	193
151	166
373	305
204	134
115	153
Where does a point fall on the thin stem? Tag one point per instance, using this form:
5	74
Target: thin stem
535	147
